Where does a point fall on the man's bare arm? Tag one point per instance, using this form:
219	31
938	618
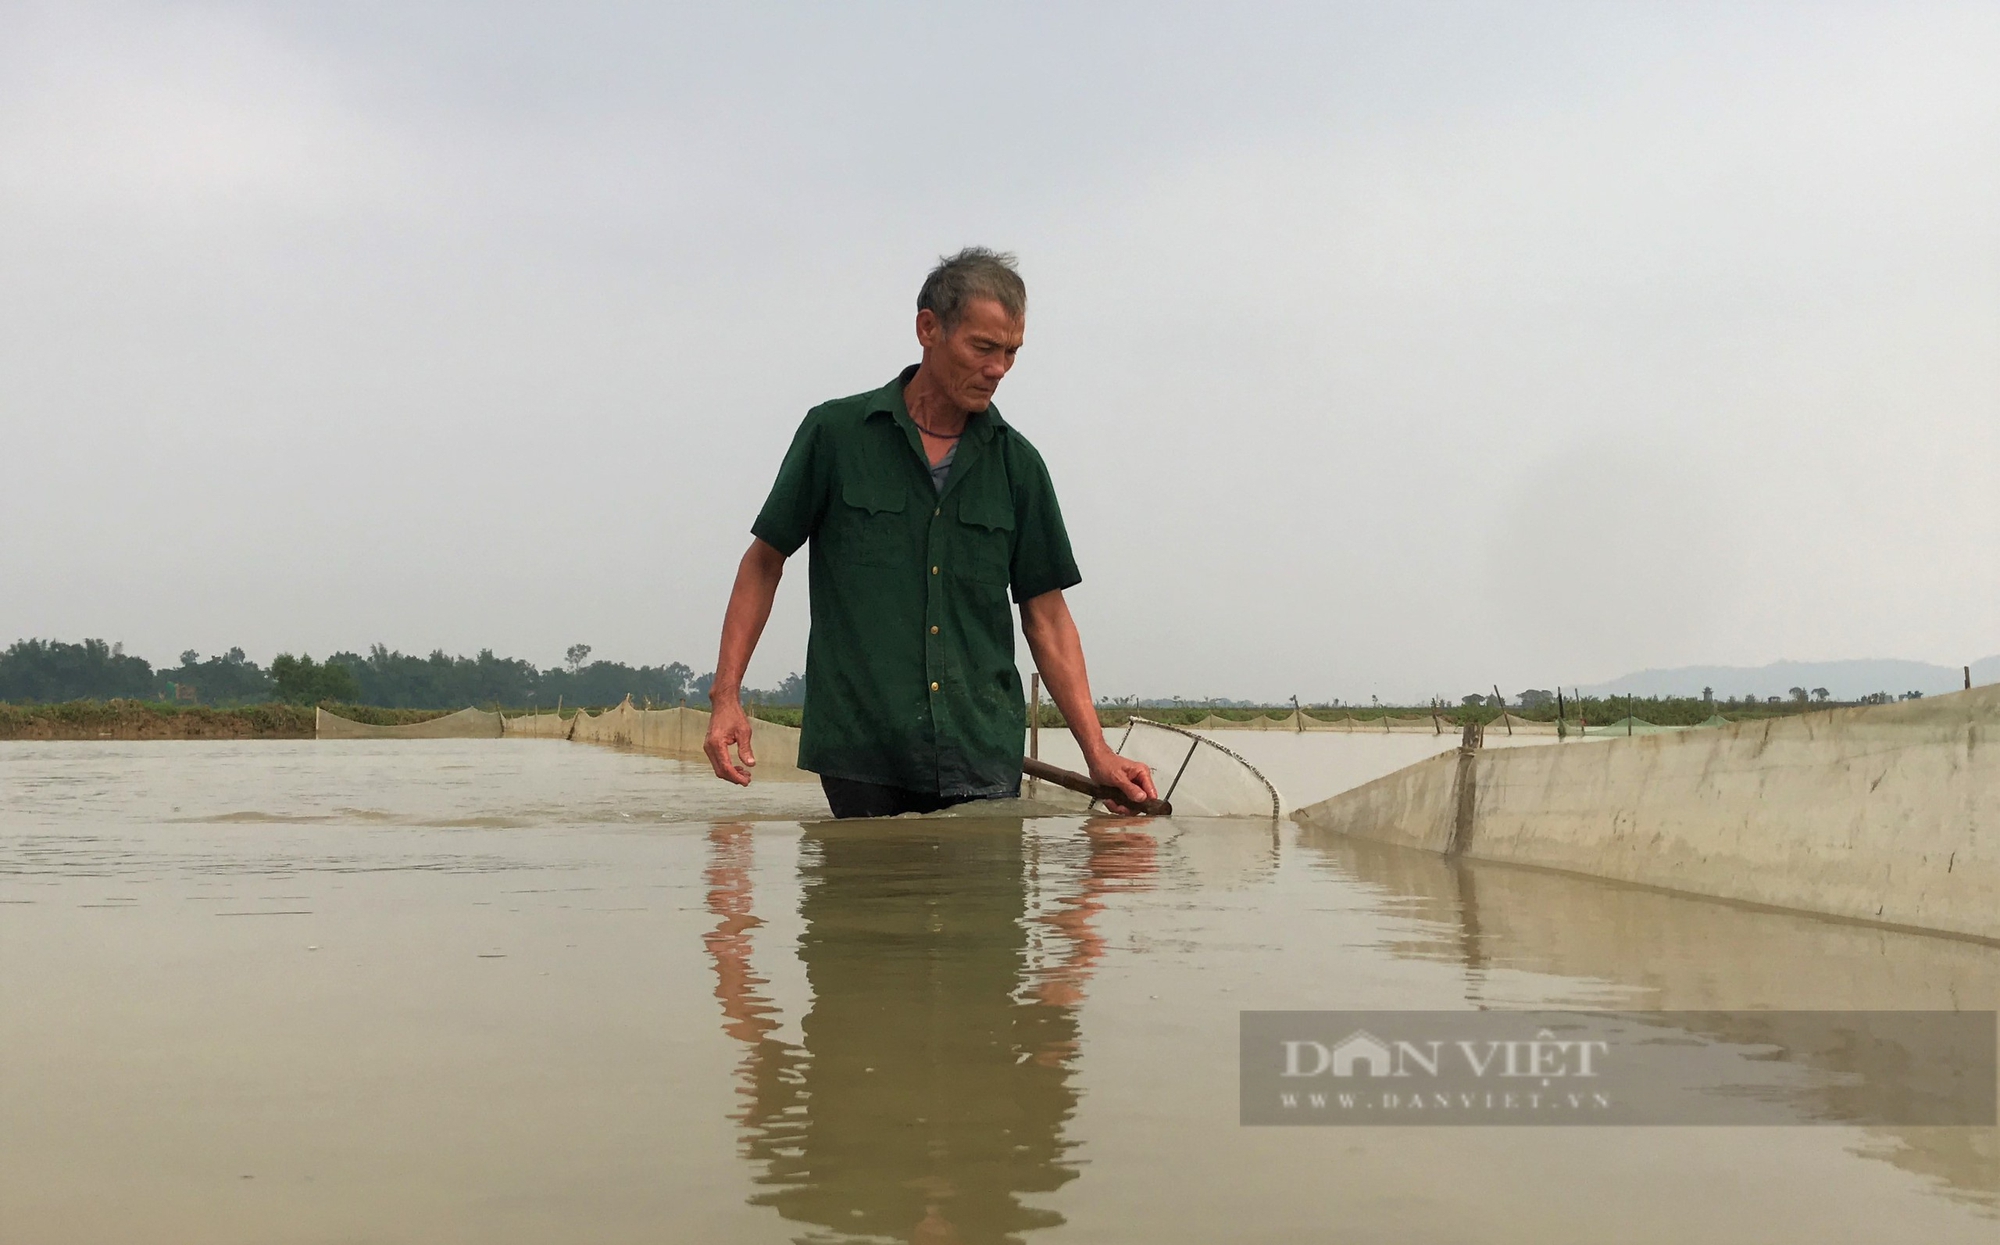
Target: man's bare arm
750	600
1058	651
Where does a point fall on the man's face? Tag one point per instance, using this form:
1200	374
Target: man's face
969	361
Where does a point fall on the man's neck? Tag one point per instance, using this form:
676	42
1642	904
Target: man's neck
930	407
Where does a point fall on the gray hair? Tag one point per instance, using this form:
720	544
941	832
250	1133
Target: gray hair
975	272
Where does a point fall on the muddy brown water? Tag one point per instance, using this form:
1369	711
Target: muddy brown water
530	991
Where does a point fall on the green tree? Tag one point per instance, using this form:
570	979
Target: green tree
230	679
608	682
398	680
302	681
51	671
791	690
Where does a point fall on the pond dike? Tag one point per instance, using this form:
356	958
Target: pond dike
1885	813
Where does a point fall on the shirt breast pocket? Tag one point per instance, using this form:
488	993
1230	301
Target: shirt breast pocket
986	534
878	532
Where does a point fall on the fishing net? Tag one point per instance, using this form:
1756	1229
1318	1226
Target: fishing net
1629	726
1297	722
465	724
1198	776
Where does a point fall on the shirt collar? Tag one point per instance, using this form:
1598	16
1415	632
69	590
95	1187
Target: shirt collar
888	401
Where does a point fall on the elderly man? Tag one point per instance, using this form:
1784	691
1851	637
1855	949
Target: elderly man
924	508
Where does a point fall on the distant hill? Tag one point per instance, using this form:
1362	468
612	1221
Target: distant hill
1845	680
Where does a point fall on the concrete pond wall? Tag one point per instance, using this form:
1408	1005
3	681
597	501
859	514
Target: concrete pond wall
1885	813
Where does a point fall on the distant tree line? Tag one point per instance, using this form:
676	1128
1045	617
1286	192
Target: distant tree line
1538	704
51	671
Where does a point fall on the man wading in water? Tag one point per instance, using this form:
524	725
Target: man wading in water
924	509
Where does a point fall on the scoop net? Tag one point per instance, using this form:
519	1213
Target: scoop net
1198	776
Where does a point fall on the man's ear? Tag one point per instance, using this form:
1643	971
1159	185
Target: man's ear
930	329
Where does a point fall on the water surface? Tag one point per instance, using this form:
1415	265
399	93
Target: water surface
531	991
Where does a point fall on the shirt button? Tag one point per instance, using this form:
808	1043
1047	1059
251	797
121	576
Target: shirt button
933	630
937	512
934	687
934	570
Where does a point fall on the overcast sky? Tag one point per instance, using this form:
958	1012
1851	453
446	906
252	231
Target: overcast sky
1390	349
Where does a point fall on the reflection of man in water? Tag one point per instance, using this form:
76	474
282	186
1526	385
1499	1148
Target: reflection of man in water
933	1084
924	509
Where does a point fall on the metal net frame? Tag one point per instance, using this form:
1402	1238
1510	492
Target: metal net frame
1203	778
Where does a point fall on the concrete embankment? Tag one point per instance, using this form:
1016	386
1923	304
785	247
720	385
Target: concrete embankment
1887	813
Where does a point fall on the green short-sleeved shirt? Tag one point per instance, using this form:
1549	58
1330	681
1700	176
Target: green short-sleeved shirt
910	676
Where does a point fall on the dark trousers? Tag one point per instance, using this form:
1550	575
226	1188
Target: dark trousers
852	798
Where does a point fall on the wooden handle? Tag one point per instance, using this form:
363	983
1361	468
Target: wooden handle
1084	786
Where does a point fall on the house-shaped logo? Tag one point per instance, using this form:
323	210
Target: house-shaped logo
1364	1048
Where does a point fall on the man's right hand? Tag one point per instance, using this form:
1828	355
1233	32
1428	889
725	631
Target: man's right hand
728	724
749	606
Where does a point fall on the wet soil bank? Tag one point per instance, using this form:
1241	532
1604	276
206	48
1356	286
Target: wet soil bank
140	719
